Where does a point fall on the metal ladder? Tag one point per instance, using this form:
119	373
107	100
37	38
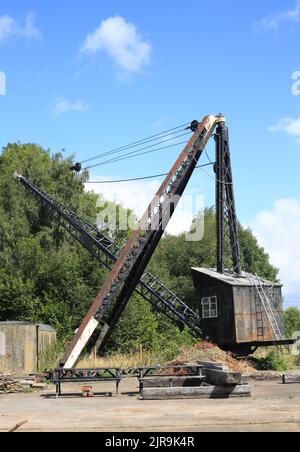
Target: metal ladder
170	303
265	297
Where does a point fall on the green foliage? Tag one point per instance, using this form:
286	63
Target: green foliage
50	358
254	258
297	360
141	328
274	360
44	275
292	321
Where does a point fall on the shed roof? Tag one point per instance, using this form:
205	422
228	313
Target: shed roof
232	278
41	326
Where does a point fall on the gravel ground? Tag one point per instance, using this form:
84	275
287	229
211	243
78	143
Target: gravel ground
273	407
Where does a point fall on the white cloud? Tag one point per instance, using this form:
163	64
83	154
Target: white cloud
138	195
122	42
63	106
291	126
9	28
273	22
278	231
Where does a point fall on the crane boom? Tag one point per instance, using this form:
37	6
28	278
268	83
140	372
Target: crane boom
139	249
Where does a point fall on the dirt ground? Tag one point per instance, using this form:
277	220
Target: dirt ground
273	407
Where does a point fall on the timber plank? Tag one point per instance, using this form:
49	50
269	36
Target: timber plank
178	381
208	392
213	365
291	378
222	378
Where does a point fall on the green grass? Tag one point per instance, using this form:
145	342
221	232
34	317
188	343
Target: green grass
274	360
50	359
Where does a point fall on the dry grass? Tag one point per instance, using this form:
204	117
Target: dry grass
191	354
201	352
117	361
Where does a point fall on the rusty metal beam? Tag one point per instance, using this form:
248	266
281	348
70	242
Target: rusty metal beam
136	254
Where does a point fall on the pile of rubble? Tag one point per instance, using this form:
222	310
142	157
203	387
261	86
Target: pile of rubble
206	351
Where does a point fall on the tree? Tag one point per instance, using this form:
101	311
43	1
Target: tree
292	321
254	258
45	276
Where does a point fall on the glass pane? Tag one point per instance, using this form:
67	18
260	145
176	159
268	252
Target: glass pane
205	313
209	307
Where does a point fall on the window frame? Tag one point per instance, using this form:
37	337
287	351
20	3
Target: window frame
209	308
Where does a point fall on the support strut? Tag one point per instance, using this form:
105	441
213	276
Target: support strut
227	225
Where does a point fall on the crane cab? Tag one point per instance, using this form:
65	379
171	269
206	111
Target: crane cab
239	312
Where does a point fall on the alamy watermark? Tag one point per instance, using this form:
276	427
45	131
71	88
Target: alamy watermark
2	84
189	215
296	83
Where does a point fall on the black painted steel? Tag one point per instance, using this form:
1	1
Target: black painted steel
225	202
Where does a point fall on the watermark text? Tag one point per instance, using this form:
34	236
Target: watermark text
296	84
189	210
2	83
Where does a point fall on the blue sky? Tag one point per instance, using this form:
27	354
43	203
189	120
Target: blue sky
90	76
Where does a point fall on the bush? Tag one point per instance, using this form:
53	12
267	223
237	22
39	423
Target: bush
297	360
49	360
273	361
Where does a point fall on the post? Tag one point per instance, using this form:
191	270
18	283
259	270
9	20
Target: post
230	206
37	348
226	219
220	197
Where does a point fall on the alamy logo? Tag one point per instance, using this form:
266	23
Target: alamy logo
189	206
296	84
2	84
